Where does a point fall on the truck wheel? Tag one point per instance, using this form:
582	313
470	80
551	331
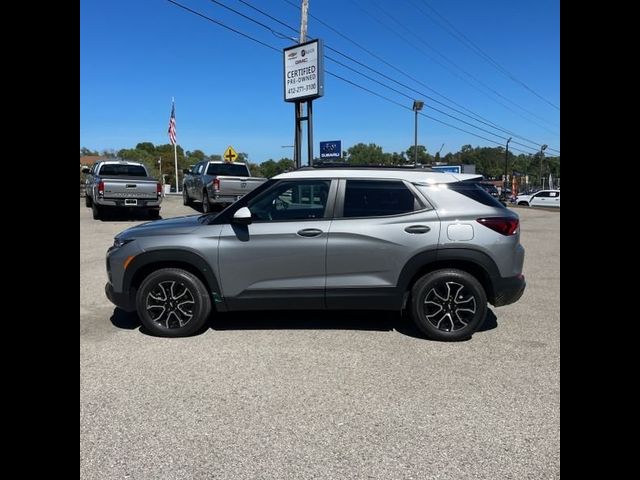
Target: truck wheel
97	211
87	201
185	197
206	206
154	213
172	302
448	304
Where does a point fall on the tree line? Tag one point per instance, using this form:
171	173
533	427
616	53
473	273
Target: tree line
488	161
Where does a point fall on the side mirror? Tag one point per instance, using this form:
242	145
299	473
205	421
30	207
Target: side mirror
186	171
86	169
242	216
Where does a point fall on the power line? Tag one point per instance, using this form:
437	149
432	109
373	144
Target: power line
219	23
404	73
460	36
411	98
281	35
480	82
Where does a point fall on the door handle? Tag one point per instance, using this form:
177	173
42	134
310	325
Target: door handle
309	232
417	229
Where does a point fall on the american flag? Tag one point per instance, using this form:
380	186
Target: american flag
172	125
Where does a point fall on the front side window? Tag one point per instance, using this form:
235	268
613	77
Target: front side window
292	200
542	195
376	198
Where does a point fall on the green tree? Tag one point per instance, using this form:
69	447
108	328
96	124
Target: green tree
372	154
423	156
147	147
84	151
271	168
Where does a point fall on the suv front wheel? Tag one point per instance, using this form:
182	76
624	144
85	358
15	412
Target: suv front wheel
172	302
448	304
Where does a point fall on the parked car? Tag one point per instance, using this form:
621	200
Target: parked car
490	188
338	238
543	198
217	183
113	184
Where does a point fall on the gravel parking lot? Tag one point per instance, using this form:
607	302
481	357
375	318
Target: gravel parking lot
321	395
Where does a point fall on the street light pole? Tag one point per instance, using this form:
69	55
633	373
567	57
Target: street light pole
417	106
542	149
506	163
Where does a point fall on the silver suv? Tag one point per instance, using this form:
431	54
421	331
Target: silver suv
434	244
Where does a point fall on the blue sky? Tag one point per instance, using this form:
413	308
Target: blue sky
136	56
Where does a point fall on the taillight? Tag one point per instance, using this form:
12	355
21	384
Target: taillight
503	225
159	188
101	187
216	184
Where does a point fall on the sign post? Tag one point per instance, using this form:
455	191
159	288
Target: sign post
304	82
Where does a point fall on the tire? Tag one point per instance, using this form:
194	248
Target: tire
185	197
455	320
206	206
97	211
183	298
154	213
87	201
523	203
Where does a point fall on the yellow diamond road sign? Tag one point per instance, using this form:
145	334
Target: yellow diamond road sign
230	154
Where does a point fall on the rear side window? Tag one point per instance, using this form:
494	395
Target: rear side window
475	192
124	170
227	169
371	198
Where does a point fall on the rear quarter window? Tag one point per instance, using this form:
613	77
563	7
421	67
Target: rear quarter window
475	192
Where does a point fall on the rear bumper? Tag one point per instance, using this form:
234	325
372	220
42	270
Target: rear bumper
507	290
225	199
120	300
120	202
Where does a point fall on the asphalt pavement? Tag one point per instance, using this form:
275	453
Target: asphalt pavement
304	395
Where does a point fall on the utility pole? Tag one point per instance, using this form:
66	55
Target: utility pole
297	153
542	149
506	163
417	106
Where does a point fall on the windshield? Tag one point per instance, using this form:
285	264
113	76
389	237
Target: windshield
123	170
228	169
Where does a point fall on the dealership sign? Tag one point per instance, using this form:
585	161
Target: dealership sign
332	149
303	71
447	168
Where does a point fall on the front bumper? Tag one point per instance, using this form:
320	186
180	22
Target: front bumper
507	290
120	300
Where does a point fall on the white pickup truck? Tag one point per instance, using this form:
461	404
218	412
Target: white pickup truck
217	183
115	184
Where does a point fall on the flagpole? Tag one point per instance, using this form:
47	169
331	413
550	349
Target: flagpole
175	156
175	153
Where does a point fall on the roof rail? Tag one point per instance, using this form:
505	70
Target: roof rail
340	165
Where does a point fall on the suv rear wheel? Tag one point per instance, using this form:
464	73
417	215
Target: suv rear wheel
448	304
172	302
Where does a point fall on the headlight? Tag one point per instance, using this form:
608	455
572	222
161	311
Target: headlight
118	242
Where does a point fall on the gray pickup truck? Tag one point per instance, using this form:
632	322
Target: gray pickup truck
115	184
217	183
